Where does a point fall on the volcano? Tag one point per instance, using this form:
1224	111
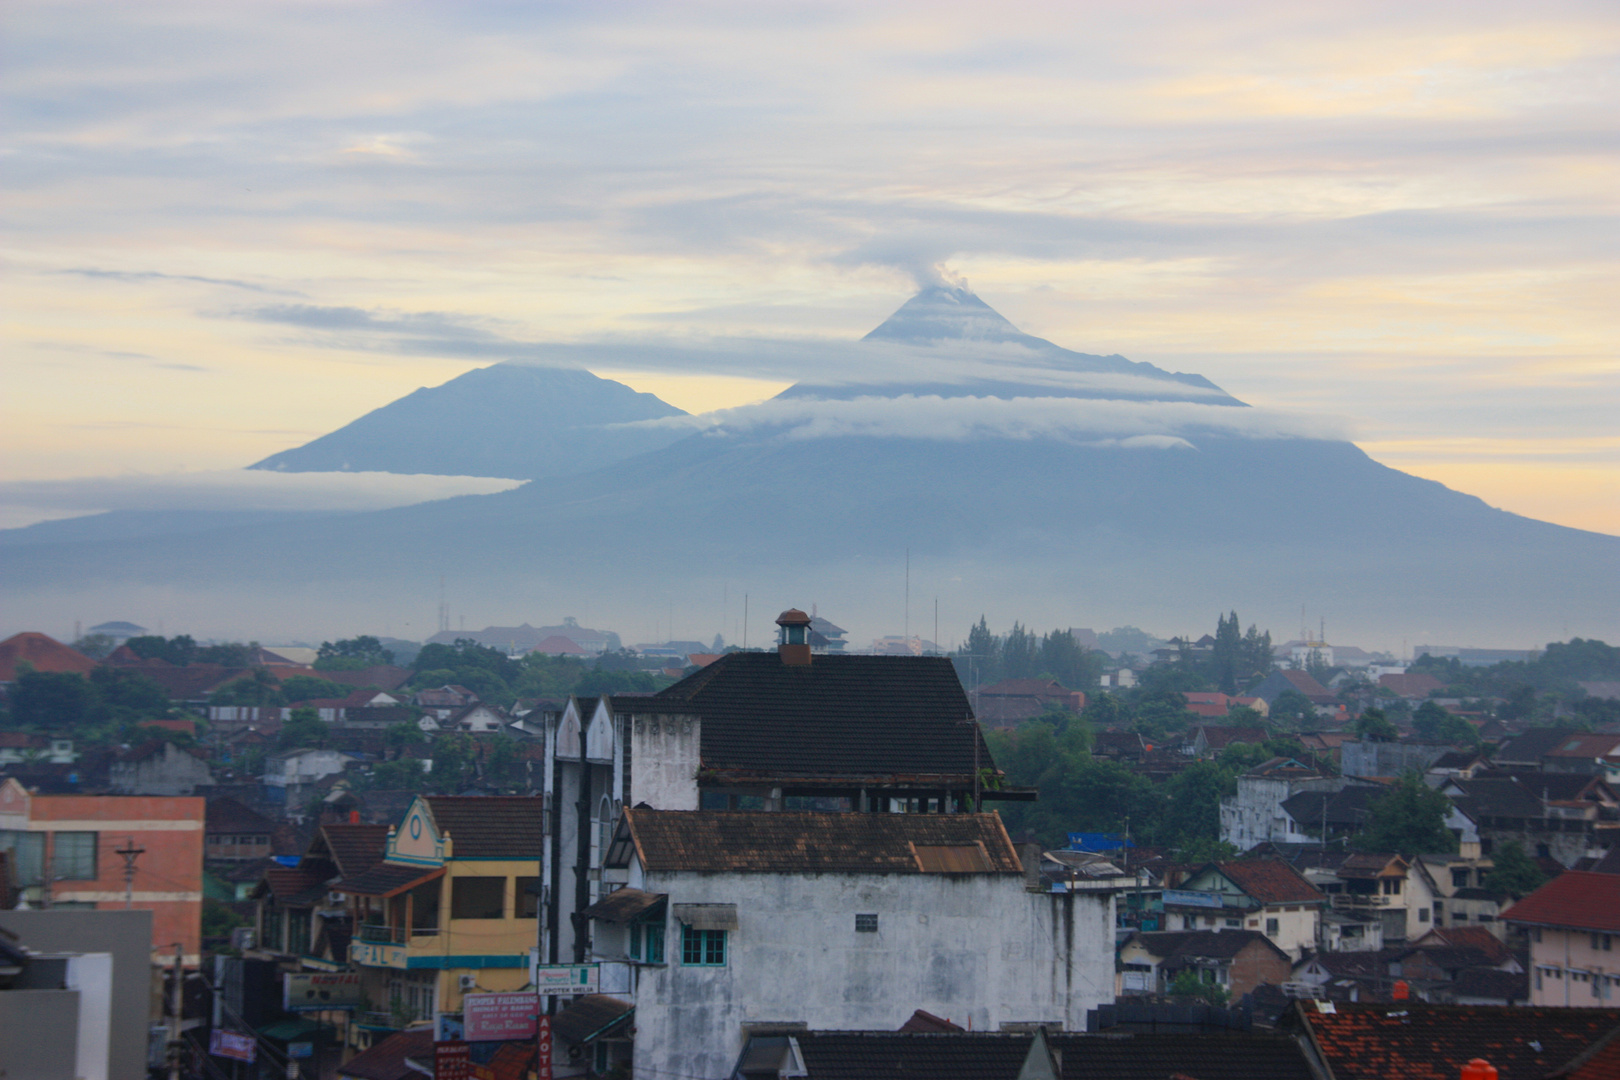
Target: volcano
946	456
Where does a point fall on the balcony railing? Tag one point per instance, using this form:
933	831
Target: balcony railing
1360	901
383	935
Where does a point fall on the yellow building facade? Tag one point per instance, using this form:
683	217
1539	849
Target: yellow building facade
451	910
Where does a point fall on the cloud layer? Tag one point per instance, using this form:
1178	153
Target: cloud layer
231	489
1126	424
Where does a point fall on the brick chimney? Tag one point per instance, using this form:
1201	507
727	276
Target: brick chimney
793	640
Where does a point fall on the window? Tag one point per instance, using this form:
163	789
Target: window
1535	935
648	938
1601	942
26	853
654	932
478	898
703	948
1543	851
73	856
1423	914
528	897
1459	879
1236	923
1271	927
866	924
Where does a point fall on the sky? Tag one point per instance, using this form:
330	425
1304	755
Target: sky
228	229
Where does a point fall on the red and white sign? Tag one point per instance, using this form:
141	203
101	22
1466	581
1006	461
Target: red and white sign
452	1061
231	1044
542	1049
492	1017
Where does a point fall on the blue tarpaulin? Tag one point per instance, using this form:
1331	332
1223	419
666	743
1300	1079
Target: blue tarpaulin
1097	841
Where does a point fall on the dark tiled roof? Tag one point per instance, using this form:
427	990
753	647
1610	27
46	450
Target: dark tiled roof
1352	965
387	879
227	815
1271	881
1453	958
806	842
1171	945
894	1055
622	905
1505	986
1575	900
355	848
288	883
1195	1056
1415	1041
1476	937
491	827
1534	744
591	1017
386	1060
1550	785
1497	798
836	716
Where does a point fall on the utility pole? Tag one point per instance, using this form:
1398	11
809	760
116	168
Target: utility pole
130	853
177	1005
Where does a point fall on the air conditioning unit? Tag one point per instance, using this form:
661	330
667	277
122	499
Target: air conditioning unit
242	937
467	982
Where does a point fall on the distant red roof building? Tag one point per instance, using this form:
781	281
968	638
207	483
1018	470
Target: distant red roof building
1411	686
43	652
557	645
1207	703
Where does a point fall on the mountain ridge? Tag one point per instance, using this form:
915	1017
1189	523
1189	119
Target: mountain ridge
1016	521
514	420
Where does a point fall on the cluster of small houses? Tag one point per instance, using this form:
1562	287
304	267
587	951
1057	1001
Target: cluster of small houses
783	866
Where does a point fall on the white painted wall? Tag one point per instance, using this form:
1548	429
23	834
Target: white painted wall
664	761
979	949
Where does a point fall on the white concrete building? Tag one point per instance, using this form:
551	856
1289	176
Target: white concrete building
728	923
1255	814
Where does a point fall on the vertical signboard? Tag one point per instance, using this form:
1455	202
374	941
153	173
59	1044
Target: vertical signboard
542	1049
452	1061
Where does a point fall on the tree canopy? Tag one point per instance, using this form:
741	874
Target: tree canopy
1513	871
352	654
1408	819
